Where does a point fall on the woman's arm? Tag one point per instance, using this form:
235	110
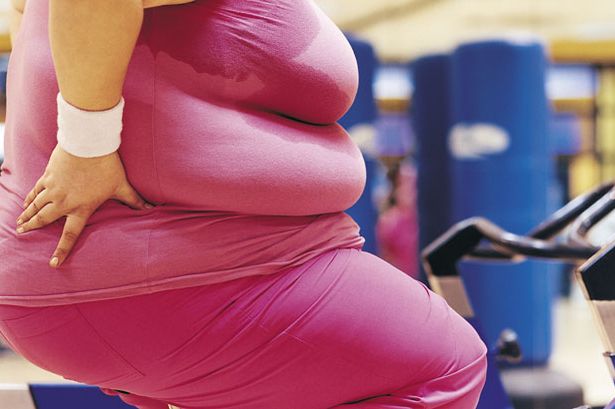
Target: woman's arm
91	44
18	6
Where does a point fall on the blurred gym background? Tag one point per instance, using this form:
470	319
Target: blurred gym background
536	75
498	108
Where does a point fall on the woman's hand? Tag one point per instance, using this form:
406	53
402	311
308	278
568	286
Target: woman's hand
75	187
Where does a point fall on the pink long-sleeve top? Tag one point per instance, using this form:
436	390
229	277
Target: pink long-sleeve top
229	128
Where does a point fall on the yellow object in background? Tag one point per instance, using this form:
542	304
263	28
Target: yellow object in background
5	38
592	51
597	163
605	123
584	174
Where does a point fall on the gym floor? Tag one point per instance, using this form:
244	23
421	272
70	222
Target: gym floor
577	352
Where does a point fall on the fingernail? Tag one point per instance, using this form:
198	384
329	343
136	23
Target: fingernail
20	229
19	221
149	206
54	262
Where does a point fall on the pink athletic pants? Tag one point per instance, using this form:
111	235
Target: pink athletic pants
344	329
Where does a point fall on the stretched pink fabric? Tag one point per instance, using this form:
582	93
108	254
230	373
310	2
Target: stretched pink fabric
343	330
229	126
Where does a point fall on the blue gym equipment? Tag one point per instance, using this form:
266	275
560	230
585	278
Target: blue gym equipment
431	122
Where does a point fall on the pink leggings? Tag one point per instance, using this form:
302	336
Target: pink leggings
344	329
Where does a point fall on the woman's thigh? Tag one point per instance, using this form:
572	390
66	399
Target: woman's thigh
60	340
344	327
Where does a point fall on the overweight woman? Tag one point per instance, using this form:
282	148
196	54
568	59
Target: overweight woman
172	225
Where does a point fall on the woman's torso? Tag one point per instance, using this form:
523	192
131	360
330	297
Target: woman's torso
229	126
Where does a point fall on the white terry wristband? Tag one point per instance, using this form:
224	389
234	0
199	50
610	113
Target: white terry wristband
89	133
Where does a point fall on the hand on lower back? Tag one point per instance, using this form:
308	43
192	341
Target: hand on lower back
75	187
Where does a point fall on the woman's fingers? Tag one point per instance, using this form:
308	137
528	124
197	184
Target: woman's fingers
72	229
38	188
128	195
49	213
34	207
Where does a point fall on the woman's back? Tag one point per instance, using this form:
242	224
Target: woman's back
228	127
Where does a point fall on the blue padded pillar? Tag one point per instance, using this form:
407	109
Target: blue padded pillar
501	169
431	123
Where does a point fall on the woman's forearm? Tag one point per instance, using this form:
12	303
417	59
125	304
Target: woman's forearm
91	44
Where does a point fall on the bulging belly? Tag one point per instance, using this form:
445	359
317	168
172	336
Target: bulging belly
237	159
246	95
